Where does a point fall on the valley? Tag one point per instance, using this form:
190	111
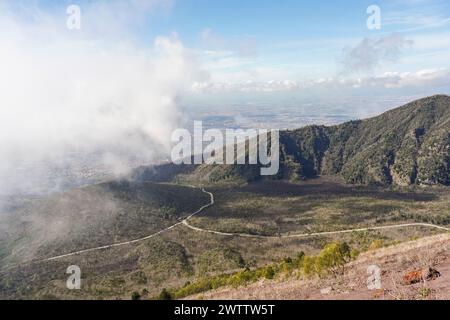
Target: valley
178	254
181	231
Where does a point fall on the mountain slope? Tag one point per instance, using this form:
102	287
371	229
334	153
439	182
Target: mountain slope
394	262
404	146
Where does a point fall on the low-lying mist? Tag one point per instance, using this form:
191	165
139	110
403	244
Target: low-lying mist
78	104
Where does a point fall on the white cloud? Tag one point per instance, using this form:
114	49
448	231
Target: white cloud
370	54
64	92
387	80
421	78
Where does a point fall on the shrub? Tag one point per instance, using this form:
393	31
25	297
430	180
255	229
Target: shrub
135	296
376	244
333	258
165	295
354	253
300	256
288	260
269	273
309	266
243	277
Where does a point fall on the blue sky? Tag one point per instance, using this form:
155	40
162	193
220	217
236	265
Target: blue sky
252	47
297	40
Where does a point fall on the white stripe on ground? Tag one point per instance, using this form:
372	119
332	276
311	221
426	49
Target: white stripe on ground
304	235
136	240
185	222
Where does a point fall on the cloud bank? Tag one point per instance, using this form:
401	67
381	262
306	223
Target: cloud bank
426	78
74	96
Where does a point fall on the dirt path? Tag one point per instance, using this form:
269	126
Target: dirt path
136	240
186	223
303	235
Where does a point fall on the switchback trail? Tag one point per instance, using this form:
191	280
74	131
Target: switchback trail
186	223
136	240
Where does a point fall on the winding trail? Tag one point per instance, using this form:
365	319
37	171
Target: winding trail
186	223
120	244
304	235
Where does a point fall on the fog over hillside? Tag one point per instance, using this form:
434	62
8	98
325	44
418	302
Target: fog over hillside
73	103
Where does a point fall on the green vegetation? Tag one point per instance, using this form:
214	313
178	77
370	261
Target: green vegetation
165	295
333	258
135	296
330	261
